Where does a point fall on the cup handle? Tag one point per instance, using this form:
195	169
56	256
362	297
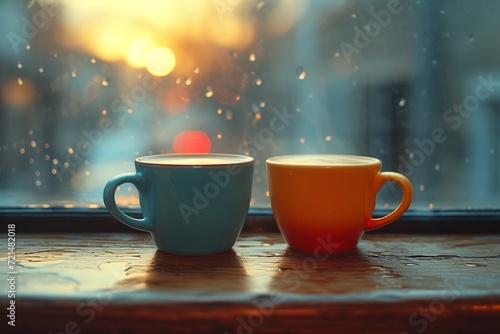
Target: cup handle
404	183
143	224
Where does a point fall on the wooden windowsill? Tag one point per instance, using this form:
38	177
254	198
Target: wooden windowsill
118	282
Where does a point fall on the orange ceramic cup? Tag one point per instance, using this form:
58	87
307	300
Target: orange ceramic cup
324	203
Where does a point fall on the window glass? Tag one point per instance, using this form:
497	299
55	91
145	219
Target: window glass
88	86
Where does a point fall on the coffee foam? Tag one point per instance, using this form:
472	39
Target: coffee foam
322	160
194	159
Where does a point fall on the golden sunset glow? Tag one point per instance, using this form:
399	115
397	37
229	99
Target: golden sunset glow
138	51
195	32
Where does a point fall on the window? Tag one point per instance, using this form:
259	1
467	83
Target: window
88	86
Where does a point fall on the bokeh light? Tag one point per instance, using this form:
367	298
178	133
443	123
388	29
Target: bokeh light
192	142
138	52
160	61
18	92
174	100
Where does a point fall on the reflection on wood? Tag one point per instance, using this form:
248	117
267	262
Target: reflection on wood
120	283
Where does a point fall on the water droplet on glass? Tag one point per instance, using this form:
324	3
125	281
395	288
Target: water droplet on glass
301	73
337	54
434	62
40	70
28	46
92	60
402	102
73	74
437	167
442	12
251	57
196	70
209	91
188	81
229	115
354	15
258	82
302	140
471	38
328	138
422	187
19	81
19	65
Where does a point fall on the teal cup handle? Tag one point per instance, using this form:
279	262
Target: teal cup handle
143	224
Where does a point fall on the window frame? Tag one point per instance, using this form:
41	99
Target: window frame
82	220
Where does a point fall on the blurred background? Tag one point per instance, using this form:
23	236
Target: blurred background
88	86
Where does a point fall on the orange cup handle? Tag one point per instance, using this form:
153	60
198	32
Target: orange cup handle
404	183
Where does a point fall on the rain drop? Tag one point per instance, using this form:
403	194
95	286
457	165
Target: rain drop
301	73
402	102
209	91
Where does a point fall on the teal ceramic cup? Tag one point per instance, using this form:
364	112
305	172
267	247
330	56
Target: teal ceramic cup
191	203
